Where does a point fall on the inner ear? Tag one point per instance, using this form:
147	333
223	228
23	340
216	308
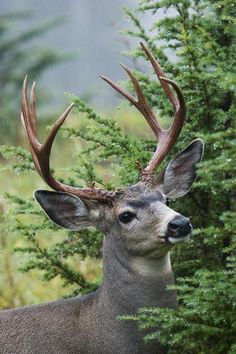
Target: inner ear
179	175
65	210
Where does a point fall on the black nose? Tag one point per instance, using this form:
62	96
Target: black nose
179	227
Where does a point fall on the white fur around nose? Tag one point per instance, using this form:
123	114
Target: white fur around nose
165	215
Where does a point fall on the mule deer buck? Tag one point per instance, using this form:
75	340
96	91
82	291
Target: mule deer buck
139	231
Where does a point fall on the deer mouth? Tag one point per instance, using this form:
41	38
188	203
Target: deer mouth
173	240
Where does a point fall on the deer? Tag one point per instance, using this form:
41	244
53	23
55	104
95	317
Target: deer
139	231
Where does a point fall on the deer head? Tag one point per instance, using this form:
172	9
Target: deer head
137	217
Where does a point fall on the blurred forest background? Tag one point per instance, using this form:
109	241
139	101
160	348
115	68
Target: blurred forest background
64	46
85	30
65	51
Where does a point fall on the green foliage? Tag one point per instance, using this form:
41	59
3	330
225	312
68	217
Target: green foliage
122	150
60	258
198	37
205	321
50	260
19	54
194	45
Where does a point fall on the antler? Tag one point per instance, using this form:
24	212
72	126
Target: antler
41	152
166	138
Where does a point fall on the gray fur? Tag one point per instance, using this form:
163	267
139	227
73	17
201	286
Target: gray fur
136	272
180	173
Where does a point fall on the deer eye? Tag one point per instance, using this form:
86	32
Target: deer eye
126	217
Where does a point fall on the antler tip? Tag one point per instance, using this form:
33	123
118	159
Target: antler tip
22	119
142	45
129	72
25	82
104	78
108	81
145	48
124	67
71	105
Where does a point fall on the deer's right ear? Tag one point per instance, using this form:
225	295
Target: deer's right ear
65	210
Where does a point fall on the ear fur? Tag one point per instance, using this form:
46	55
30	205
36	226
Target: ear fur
65	210
180	173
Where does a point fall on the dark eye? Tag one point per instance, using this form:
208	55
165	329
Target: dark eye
126	217
167	201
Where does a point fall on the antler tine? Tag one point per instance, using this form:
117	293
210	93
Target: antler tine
41	152
166	138
28	119
54	129
160	74
181	108
140	103
29	116
34	156
32	108
169	136
119	89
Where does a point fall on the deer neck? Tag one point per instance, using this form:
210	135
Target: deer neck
131	282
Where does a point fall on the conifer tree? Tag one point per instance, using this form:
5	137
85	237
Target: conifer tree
198	51
193	42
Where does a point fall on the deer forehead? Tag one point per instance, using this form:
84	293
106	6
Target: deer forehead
141	203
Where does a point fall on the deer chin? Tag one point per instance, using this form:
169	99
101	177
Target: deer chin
158	253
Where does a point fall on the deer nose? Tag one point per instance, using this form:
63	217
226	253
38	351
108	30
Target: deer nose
180	226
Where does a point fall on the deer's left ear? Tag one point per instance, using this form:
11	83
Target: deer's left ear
66	210
179	175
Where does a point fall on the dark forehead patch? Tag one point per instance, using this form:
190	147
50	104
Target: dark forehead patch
146	200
